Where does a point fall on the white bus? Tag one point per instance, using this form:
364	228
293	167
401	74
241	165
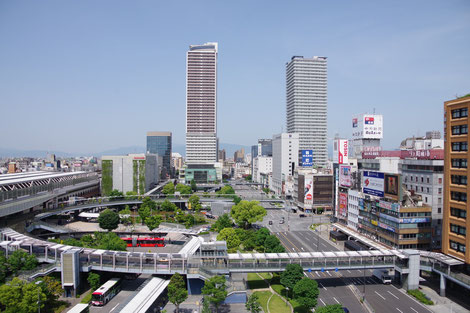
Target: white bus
80	308
105	293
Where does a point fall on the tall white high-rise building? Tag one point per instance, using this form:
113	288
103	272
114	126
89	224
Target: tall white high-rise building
201	104
306	80
285	160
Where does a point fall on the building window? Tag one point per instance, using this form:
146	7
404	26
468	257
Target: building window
459	179
440	180
460	130
460	146
440	190
458	213
457	229
458	113
427	180
457	246
458	196
439	200
422	179
439	210
427	189
426	199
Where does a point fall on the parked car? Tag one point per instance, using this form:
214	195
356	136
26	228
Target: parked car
281	222
270	222
302	215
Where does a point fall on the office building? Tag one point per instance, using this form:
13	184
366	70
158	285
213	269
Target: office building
133	172
285	161
455	239
239	156
160	143
222	155
306	80
262	168
313	192
176	161
367	131
201	104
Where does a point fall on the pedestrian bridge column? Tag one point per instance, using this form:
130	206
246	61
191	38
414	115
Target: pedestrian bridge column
70	271
412	279
442	290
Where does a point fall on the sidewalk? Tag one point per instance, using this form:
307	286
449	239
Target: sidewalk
441	304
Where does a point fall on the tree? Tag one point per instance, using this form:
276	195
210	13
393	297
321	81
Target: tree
177	291
153	221
306	292
193	185
168	189
108	220
183	189
29	300
189	221
230	236
3	268
226	190
292	274
222	222
149	203
331	308
52	288
20	297
247	212
237	199
131	195
261	235
110	241
271	243
195	204
125	216
252	304
168	206
94	280
214	289
205	306
116	194
21	260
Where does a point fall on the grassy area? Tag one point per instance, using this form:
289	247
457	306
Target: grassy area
87	298
421	297
314	226
255	282
280	289
276	305
61	306
263	297
266	276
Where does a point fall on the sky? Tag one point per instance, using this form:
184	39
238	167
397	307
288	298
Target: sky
87	76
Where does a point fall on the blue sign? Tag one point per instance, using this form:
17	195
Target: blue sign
373	183
322	269
307	158
336	269
309	270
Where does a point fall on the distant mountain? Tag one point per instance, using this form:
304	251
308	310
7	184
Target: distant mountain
16	153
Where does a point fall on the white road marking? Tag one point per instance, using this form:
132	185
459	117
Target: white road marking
399	310
322	302
323	286
413	309
393	294
317	274
379	295
328	273
324	245
302	248
349	271
113	308
336	300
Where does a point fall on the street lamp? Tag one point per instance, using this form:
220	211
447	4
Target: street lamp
39	294
287	288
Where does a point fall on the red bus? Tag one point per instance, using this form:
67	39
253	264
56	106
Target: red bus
105	293
144	241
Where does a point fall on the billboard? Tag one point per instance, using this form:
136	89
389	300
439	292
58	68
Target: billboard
308	193
392	183
345	175
307	158
340	151
373	183
343	204
367	126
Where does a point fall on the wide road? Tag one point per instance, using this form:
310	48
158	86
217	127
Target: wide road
334	286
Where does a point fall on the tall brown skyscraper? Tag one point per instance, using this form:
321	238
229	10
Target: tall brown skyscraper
455	238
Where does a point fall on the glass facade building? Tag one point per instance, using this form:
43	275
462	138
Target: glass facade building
160	143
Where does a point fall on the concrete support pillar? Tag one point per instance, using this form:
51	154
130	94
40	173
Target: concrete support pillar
442	290
412	281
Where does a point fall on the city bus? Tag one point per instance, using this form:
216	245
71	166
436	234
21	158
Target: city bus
351	245
144	241
105	293
80	308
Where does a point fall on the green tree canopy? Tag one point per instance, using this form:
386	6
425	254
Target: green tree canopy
237	199
110	241
52	288
331	308
195	204
94	280
3	268
177	291
168	189
108	220
226	190
252	304
116	193
215	290
183	189
261	235
306	292
21	297
247	212
291	275
149	203
168	206
189	221
224	221
273	245
153	221
132	195
21	260
230	236
193	185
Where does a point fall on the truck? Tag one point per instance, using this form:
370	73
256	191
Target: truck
383	276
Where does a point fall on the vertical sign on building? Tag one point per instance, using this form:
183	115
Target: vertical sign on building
307	158
343	151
